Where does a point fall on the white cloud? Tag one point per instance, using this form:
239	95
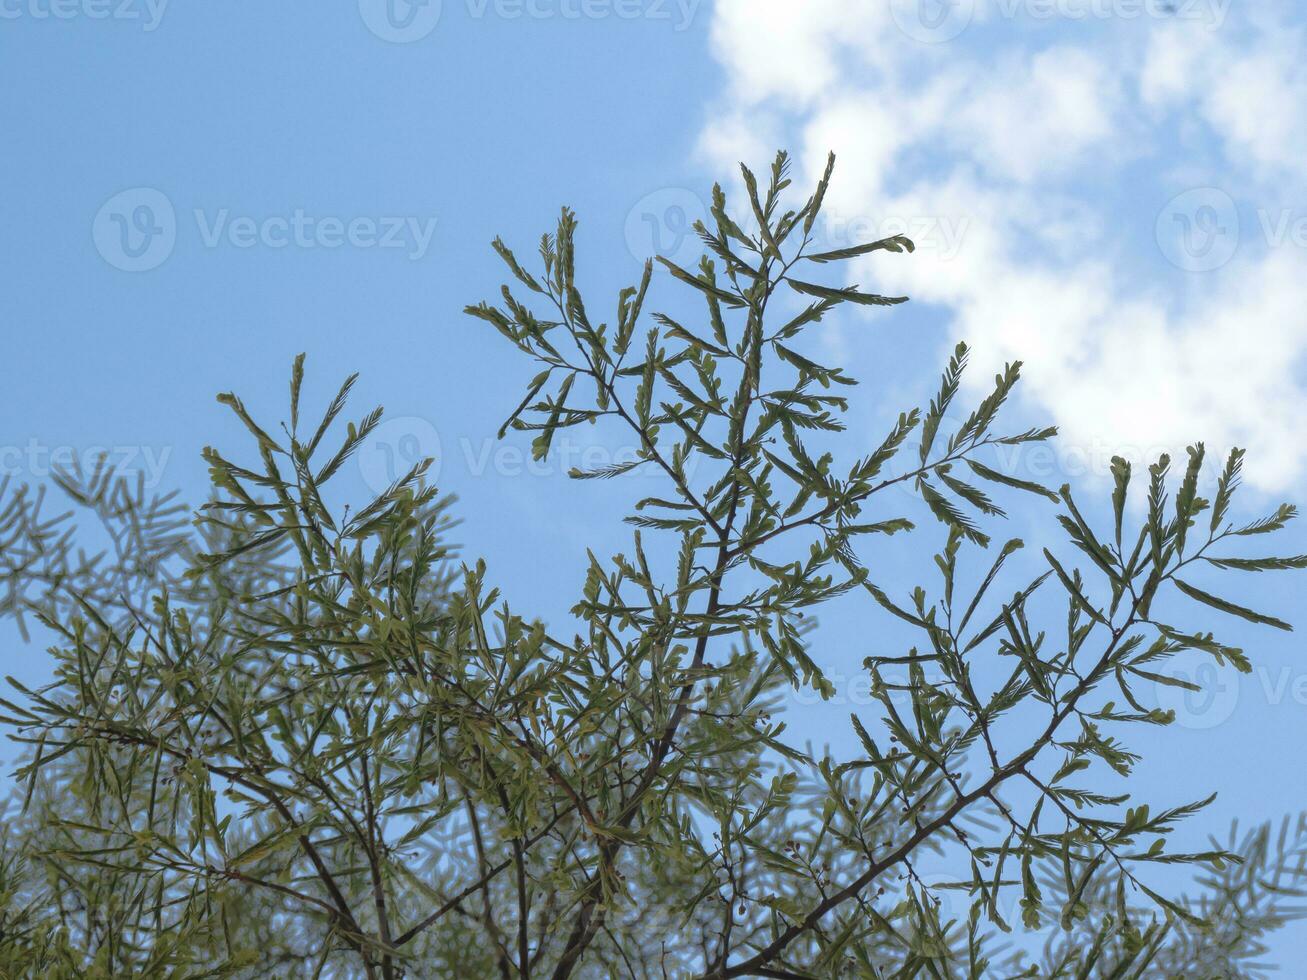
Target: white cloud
1036	150
1036	115
789	52
1247	83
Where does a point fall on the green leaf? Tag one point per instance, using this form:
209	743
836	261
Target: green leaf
994	476
898	243
1230	607
1260	564
703	285
847	294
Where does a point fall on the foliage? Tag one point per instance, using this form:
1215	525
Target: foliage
307	740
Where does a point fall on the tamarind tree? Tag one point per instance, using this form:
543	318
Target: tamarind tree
291	738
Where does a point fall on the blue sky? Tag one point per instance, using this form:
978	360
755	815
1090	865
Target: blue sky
1108	189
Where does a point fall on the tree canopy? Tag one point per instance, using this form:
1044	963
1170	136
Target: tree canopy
295	738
